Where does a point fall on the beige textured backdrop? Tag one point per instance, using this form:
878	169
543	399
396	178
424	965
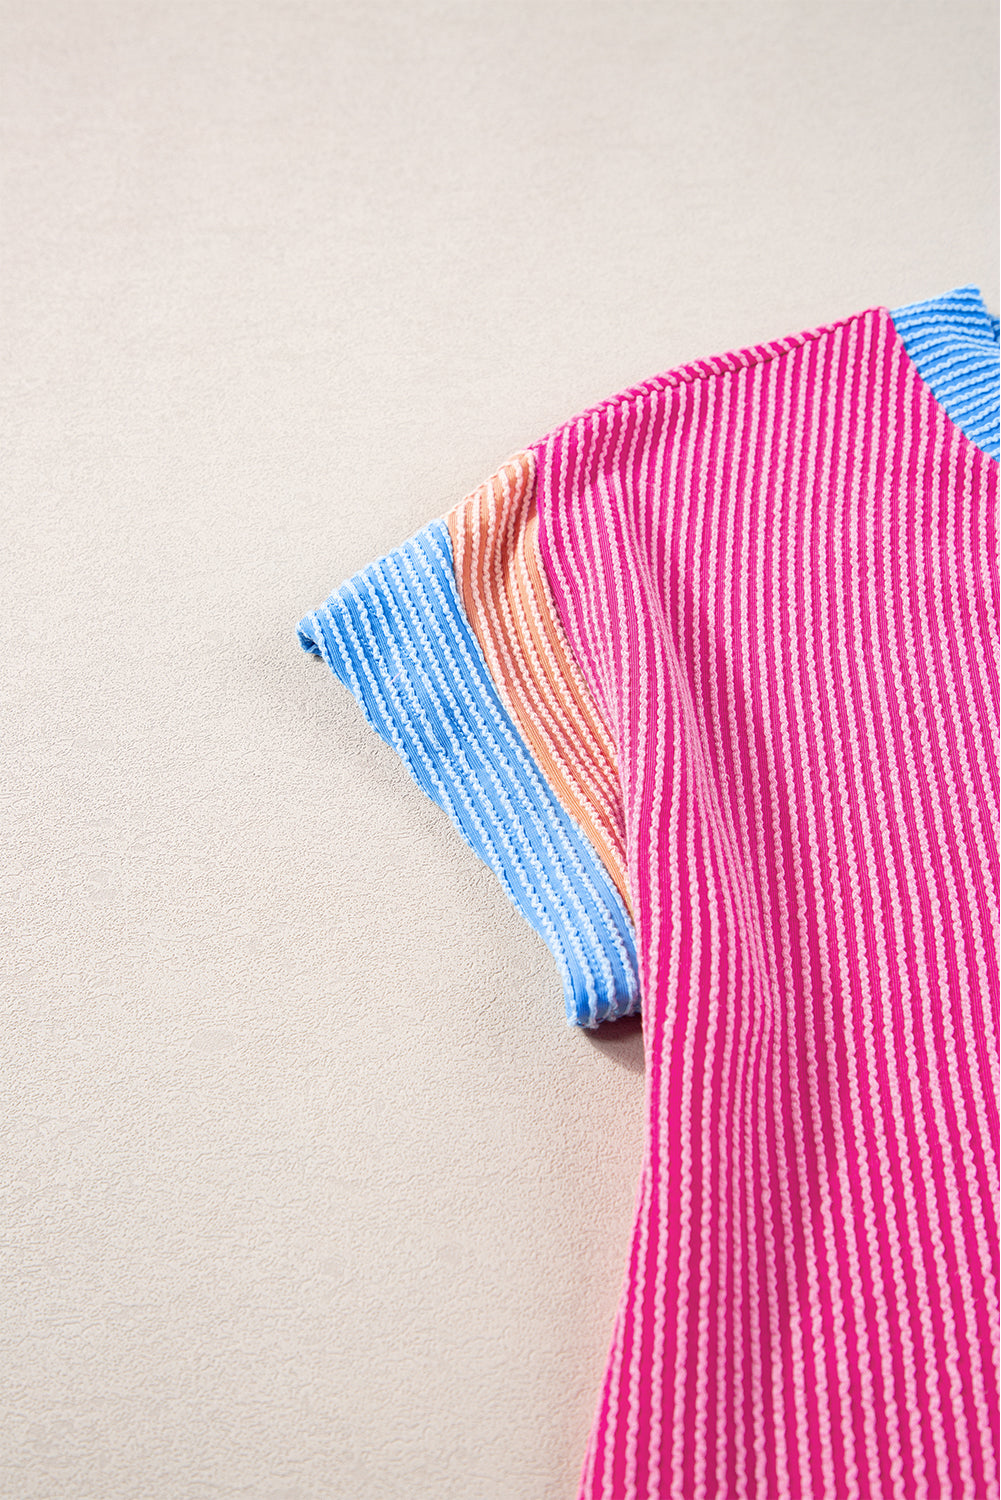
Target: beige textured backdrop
309	1192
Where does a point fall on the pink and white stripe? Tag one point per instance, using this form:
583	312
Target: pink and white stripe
777	570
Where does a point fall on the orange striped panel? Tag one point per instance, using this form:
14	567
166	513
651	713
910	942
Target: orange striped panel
509	604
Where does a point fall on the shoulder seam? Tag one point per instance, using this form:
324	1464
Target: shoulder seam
706	369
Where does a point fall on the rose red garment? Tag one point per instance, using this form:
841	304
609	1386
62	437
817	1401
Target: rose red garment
776	570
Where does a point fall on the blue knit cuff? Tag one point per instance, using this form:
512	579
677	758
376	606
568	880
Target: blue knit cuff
396	635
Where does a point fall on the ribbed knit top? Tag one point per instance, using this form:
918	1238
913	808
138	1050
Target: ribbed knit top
740	623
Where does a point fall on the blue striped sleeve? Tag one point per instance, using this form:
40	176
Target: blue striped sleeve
396	635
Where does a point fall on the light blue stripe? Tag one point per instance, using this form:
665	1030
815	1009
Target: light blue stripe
397	636
953	340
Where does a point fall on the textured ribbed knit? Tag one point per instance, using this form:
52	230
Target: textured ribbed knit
726	646
953	340
777	570
396	635
508	602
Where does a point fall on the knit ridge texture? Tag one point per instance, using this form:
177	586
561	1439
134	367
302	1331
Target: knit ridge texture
709	676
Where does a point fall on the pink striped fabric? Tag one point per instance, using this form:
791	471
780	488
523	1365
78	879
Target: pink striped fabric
777	571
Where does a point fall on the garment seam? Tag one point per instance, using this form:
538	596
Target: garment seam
937	401
731	361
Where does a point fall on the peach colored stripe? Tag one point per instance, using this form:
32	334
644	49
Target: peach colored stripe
509	604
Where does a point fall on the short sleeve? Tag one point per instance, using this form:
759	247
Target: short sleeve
466	653
397	636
